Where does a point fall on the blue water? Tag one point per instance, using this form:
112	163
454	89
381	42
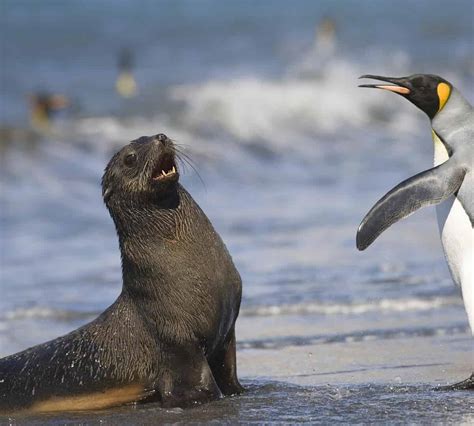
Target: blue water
72	46
290	156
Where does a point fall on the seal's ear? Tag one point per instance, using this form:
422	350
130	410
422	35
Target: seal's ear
106	194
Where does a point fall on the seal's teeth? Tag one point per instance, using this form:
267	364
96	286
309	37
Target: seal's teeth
168	173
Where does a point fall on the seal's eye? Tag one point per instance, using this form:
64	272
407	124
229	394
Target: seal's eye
130	159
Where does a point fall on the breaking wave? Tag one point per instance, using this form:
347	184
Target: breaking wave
354	308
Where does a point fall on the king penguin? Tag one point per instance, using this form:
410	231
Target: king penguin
448	185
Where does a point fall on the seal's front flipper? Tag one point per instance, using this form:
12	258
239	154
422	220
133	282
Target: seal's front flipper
427	188
187	380
224	368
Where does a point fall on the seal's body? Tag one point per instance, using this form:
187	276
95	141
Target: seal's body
170	334
449	185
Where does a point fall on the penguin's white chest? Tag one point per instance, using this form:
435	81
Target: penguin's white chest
457	237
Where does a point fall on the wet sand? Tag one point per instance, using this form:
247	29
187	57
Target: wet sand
345	349
363	379
432	360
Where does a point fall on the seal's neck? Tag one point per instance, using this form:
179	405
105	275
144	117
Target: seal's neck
151	237
139	216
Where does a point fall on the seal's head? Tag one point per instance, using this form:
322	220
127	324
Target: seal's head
144	171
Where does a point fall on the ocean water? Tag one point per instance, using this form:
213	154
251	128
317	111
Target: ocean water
288	156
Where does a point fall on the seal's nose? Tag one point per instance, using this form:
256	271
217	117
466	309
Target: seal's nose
162	138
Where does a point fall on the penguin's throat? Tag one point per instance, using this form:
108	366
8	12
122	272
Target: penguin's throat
440	151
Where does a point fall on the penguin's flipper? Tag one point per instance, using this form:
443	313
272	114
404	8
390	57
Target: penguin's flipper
424	189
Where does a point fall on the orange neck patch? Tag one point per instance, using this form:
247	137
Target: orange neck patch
443	94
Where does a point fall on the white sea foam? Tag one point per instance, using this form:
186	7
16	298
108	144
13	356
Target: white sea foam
381	305
252	108
43	312
354	308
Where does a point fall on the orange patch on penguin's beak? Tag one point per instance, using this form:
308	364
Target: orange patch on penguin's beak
396	89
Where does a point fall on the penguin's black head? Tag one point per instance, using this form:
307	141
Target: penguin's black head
428	92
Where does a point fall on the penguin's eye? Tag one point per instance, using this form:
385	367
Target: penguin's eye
421	88
130	160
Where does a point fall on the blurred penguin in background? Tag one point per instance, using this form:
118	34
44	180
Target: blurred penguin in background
325	37
313	65
43	106
125	85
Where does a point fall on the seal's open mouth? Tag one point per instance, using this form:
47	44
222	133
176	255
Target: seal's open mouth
165	169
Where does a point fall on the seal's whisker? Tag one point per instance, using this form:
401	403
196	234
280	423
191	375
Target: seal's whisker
185	159
187	162
180	153
186	156
181	145
183	165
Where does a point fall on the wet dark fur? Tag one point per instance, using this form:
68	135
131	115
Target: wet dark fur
171	330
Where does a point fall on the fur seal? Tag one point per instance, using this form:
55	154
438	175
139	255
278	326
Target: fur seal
169	336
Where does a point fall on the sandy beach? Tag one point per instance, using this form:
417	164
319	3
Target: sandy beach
364	380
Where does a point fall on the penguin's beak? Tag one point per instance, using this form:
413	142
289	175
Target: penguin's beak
399	85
